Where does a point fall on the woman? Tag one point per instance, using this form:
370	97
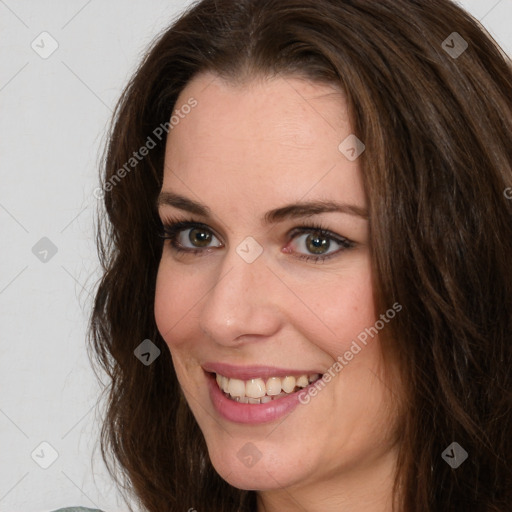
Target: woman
306	299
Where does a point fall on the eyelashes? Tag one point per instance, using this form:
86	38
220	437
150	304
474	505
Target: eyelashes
314	238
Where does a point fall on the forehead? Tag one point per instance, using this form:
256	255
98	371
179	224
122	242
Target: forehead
269	140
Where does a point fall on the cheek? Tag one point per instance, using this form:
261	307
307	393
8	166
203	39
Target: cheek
330	309
354	308
341	307
177	297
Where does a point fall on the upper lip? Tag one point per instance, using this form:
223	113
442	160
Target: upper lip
254	371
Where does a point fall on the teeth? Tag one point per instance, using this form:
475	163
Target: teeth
236	388
273	386
302	381
224	384
288	384
255	388
256	391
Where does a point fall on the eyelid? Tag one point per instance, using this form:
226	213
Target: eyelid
170	228
168	220
175	224
316	228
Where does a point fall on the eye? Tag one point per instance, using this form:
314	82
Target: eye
196	237
311	242
317	243
189	236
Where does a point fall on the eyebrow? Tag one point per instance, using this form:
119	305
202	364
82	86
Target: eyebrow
296	210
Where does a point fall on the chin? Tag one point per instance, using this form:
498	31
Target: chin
242	468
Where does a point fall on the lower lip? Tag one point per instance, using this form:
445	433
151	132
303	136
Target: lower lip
250	413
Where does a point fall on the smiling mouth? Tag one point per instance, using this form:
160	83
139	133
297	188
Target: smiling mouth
261	391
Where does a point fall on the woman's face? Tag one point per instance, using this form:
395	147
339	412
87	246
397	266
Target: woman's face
265	294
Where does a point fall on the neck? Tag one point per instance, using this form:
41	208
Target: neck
365	489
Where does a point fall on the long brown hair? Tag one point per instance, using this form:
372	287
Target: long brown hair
436	119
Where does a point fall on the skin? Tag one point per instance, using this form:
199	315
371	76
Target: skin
242	151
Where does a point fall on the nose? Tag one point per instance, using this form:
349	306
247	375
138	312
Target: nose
244	303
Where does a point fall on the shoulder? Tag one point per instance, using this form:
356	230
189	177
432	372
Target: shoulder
77	509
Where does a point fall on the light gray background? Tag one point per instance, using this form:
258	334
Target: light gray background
54	112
